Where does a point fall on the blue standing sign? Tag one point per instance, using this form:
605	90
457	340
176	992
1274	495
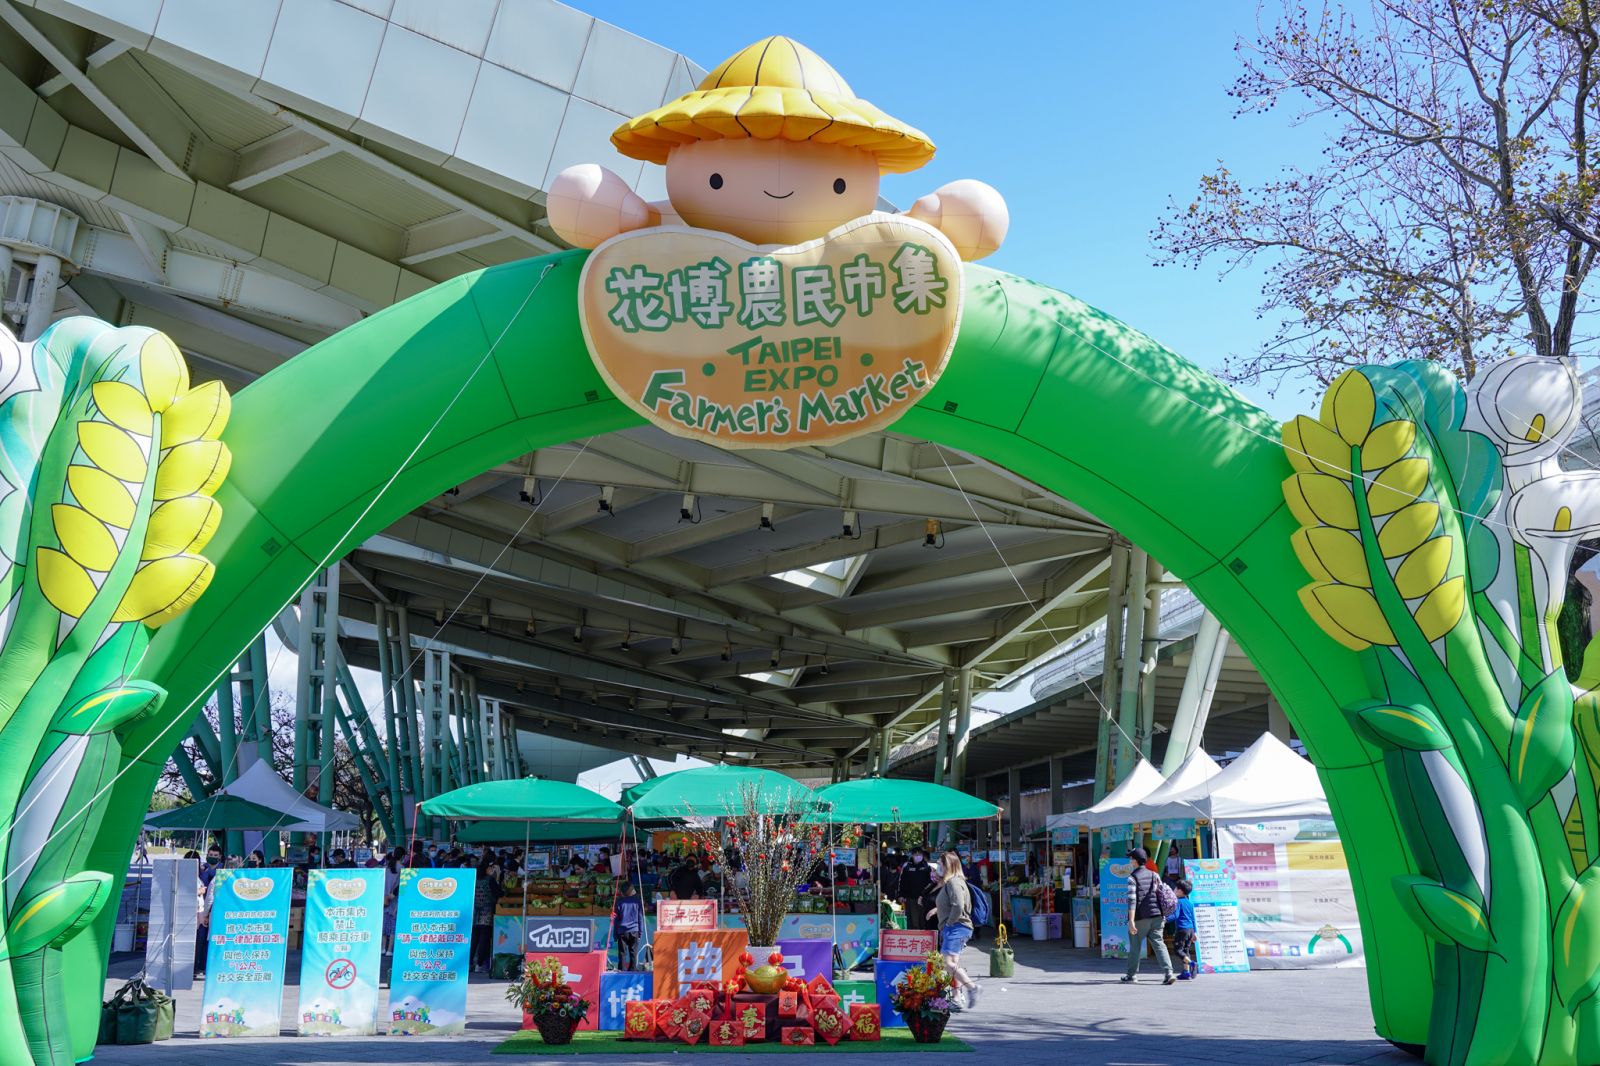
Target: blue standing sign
617	990
432	942
885	974
343	950
246	953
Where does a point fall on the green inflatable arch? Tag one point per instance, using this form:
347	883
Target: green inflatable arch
1039	383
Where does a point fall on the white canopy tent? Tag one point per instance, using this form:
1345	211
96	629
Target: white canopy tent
1194	772
1114	808
259	783
1268	782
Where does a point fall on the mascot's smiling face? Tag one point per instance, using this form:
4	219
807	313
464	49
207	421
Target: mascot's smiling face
771	191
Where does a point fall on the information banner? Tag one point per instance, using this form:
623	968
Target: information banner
1173	829
343	948
1114	907
842	857
246	953
907	945
1219	939
1296	902
685	915
1115	834
1067	835
683	958
619	989
432	942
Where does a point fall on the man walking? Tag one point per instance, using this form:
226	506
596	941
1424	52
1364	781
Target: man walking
1145	920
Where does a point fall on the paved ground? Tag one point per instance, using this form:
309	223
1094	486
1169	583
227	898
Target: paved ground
1061	1006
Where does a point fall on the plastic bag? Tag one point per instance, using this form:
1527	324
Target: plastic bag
1002	960
143	1014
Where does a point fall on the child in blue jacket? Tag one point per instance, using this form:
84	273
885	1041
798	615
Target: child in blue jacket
1183	933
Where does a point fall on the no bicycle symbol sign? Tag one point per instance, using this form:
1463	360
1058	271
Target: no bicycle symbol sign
340	974
747	346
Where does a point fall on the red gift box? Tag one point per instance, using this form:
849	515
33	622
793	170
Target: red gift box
767	1004
866	1021
788	1004
794	1035
639	1019
694	1027
752	1019
701	998
820	986
829	1023
670	1018
730	1033
827	1000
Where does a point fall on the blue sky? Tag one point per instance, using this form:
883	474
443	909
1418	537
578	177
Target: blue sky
1086	118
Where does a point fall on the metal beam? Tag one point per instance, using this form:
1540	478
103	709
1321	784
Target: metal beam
96	96
445	235
277	154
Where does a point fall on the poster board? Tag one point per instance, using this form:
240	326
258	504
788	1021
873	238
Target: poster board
1218	932
582	971
1114	907
1296	901
432	940
246	953
169	948
343	950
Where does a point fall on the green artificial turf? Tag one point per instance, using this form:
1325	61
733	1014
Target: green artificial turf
529	1042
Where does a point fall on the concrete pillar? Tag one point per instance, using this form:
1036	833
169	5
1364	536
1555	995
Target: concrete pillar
941	743
1277	721
1150	656
1199	686
1110	685
958	756
1014	807
42	302
1058	795
1132	655
885	742
5	277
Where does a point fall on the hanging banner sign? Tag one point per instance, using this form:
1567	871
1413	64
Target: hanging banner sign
906	945
1218	934
747	346
558	934
246	953
682	915
1173	829
1114	907
432	941
1113	834
1069	835
343	949
842	857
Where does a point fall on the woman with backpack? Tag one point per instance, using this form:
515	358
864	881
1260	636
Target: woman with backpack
953	907
1148	908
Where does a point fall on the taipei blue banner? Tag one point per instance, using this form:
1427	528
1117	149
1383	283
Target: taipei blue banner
246	953
432	941
343	947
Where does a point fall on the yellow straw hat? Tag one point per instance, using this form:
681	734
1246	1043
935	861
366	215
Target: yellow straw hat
776	89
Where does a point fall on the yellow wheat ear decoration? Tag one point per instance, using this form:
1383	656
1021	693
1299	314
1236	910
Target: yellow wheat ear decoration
192	463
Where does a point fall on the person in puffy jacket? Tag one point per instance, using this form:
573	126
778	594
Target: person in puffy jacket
1145	920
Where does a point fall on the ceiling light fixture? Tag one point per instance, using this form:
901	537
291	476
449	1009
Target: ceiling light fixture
689	509
607	494
852	526
530	490
766	518
932	534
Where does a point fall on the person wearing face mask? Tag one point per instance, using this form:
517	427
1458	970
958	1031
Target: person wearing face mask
916	877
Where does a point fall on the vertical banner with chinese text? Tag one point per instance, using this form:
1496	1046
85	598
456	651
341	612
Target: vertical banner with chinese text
246	953
343	949
1218	935
1114	907
432	941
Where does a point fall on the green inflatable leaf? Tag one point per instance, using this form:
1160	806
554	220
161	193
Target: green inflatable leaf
1542	741
57	914
1445	914
1577	940
1412	728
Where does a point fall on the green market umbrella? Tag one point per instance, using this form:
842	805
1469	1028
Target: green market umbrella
884	800
487	832
221	811
716	792
528	799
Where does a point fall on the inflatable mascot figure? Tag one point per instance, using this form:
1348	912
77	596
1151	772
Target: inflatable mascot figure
775	149
108	460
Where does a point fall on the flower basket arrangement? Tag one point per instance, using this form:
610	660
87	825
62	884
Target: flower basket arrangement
924	997
544	996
